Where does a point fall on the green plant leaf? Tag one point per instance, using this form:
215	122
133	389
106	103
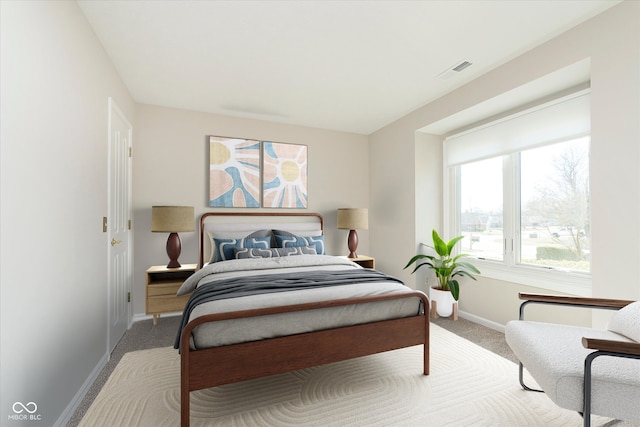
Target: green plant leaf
422	265
452	243
457	257
426	260
439	245
414	259
464	273
468	266
455	289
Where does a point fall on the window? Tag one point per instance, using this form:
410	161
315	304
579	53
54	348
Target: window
554	206
518	190
481	201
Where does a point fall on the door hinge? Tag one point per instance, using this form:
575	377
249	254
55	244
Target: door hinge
130	152
104	224
129	224
128	296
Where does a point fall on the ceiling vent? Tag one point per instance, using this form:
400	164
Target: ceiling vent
453	71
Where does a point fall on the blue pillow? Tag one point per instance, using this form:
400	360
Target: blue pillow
274	252
294	241
225	248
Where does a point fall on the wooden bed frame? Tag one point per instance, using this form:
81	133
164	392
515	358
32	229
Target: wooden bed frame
216	366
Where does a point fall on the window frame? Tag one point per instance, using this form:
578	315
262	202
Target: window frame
510	269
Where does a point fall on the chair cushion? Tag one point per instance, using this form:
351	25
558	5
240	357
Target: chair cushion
554	356
626	321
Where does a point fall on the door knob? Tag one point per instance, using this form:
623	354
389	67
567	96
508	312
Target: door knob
115	242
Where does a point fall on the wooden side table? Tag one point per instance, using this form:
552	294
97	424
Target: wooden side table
364	261
162	285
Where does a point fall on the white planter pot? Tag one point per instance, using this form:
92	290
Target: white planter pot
444	302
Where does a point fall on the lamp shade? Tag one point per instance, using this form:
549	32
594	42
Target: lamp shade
172	219
353	219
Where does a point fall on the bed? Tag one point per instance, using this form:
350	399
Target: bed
301	311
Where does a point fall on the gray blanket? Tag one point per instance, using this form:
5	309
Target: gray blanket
261	284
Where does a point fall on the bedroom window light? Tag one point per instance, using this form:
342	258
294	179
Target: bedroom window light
554	209
518	190
481	202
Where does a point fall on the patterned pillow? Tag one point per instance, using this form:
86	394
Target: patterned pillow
240	234
294	241
259	233
298	233
224	248
274	252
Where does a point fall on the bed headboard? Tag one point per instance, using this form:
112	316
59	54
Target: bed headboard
239	224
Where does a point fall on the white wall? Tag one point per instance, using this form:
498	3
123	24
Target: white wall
170	164
55	82
612	42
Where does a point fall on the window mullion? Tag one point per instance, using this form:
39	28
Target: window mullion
510	195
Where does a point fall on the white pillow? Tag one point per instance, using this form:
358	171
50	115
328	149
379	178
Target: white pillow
626	321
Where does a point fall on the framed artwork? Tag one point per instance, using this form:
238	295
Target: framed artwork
234	172
284	175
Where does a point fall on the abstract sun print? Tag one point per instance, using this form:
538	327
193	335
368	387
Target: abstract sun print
246	173
234	172
284	175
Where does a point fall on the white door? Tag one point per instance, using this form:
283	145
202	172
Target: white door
119	224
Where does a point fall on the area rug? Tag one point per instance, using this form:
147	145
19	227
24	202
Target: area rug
468	386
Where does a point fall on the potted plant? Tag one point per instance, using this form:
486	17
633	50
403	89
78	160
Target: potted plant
446	268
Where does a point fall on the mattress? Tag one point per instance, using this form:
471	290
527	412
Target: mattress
235	331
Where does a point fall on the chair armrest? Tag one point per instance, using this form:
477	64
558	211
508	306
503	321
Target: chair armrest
576	301
573	301
613	346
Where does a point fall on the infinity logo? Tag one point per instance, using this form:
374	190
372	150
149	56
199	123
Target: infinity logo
30	407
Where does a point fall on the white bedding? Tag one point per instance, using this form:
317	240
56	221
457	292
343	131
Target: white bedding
249	329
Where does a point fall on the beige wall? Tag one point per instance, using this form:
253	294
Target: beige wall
170	165
55	83
612	42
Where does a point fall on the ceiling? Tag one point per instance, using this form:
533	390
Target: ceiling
351	66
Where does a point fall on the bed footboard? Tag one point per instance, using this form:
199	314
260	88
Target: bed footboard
216	366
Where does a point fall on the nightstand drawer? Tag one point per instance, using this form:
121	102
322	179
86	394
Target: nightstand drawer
166	304
169	288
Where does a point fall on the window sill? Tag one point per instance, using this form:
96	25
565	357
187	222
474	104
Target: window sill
566	282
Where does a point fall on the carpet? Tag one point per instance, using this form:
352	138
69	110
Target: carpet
468	386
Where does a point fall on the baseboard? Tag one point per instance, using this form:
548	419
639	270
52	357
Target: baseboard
140	316
71	408
482	321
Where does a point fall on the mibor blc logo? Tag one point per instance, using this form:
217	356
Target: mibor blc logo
25	412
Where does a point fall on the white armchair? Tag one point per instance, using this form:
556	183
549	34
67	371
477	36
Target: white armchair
588	370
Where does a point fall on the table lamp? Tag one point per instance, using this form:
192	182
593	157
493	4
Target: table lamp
172	219
353	219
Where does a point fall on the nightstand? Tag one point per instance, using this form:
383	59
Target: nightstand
162	285
364	261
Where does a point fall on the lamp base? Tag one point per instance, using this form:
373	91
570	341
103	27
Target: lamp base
174	247
352	243
174	264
